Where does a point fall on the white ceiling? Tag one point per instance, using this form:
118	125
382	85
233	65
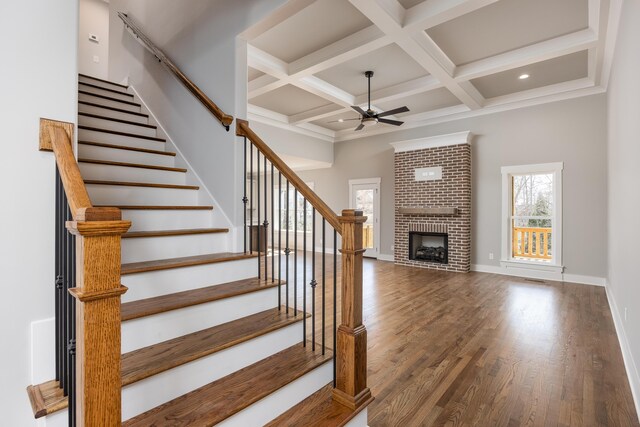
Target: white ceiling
444	59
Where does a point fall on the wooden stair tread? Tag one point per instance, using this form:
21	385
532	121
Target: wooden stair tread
179	232
109	98
188	261
145	362
107	107
141	184
161	304
105	88
124	147
227	396
131	165
113	119
117	132
318	410
157	208
46	398
101	80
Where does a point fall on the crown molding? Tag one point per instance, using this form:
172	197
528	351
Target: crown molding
432	142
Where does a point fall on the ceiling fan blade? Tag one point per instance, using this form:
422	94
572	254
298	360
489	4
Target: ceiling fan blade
394	111
344	120
360	127
390	122
359	110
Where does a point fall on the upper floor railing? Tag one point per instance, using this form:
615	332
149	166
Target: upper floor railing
222	117
532	243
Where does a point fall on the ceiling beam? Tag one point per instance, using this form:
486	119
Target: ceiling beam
563	45
598	22
280	15
419	46
434	12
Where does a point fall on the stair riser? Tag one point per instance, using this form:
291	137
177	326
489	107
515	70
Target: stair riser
156	283
146	394
150	248
108	102
282	400
124	173
100	83
124	195
122	95
167	219
127	141
127	156
84	108
117	126
151	330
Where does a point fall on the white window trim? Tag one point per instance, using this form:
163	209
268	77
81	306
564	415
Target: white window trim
506	260
375	251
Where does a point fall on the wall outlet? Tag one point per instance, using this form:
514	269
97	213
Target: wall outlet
625	314
96	58
490	255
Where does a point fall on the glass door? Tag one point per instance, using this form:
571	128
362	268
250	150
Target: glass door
365	196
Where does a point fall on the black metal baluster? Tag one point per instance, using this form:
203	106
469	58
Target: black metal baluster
313	279
64	300
244	197
251	199
279	240
295	251
72	332
259	231
335	299
266	223
304	273
287	250
323	283
58	275
273	228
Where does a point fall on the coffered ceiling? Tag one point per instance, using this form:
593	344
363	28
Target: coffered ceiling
444	59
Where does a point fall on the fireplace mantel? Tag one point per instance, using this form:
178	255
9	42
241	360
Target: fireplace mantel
428	211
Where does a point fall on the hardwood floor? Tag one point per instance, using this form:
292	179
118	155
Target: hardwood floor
477	349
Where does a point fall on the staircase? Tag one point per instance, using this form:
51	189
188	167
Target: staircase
204	340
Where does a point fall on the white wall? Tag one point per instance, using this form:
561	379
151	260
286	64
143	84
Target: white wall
573	131
40	37
200	37
624	197
94	19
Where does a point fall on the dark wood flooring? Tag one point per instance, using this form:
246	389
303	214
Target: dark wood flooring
477	349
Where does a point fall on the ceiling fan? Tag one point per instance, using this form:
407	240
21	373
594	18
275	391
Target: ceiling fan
370	117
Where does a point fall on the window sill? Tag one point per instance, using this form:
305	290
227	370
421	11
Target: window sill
532	265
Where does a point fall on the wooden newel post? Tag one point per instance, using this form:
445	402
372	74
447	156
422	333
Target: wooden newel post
97	293
351	342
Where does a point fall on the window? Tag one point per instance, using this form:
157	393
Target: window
532	227
294	202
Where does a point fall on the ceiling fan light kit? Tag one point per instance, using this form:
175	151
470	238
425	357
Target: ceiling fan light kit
371	118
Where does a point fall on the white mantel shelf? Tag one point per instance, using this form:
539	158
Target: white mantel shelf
432	142
428	211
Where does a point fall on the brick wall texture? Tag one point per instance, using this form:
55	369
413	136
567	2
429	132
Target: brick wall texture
453	190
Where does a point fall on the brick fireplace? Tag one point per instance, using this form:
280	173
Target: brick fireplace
433	202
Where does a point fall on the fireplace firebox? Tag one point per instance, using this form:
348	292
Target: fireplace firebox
429	247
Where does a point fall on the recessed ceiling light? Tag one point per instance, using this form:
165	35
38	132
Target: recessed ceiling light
340	120
523	76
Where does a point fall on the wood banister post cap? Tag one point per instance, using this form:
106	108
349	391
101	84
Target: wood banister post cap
98	228
353	216
239	124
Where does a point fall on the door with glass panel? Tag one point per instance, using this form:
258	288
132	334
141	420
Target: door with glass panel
365	196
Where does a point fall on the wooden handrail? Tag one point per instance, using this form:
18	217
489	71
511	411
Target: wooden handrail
224	118
56	136
243	129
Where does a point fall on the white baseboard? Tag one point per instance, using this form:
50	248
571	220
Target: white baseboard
627	356
385	257
538	274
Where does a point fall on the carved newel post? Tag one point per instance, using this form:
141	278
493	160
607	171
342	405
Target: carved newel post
98	291
351	342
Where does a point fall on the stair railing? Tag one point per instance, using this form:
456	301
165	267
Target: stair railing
222	117
274	194
87	290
